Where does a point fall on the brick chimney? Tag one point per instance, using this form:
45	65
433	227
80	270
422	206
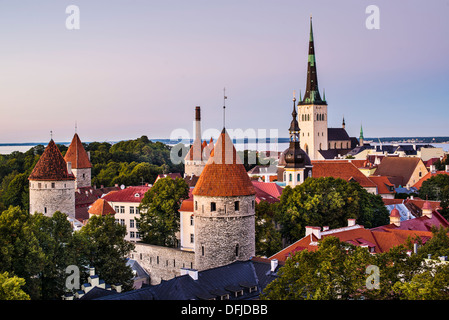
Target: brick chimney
316	231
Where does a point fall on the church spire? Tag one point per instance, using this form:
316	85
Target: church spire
312	95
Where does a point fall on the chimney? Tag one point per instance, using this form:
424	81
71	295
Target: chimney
351	222
313	230
117	287
432	168
325	228
69	167
447	168
91	271
198	123
274	264
193	273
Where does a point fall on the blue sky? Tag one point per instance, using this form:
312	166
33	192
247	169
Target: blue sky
140	67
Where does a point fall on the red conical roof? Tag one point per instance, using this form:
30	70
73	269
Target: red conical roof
395	213
101	207
77	155
224	174
51	165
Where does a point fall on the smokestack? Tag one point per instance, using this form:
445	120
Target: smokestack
198	123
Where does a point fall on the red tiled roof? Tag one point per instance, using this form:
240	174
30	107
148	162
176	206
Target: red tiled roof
340	169
224	173
51	166
77	155
399	168
267	191
383	184
428	176
187	204
101	207
130	194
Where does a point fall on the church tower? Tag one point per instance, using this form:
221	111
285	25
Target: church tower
52	185
78	159
224	209
312	109
297	163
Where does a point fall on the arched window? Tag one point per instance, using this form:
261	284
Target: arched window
320	146
290	177
298	177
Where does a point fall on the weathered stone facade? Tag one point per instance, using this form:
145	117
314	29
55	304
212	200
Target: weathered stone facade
193	167
82	177
224	230
162	263
47	197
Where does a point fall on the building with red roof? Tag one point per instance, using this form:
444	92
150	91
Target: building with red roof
79	161
101	207
376	240
126	203
52	184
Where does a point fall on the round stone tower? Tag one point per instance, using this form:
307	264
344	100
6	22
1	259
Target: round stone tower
79	161
224	214
52	185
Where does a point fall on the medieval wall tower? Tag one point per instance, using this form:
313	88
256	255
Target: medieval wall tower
52	185
224	209
78	159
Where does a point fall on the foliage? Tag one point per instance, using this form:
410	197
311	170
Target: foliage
101	244
38	249
159	211
437	188
268	237
10	288
327	202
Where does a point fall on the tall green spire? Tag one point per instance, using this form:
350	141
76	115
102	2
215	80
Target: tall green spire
361	132
312	95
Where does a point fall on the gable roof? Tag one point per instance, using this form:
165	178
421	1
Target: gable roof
399	168
77	155
340	169
130	194
384	185
428	176
267	191
51	166
224	174
337	134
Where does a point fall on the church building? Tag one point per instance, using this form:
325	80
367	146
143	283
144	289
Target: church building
317	139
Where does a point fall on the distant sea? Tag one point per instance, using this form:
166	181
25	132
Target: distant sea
281	145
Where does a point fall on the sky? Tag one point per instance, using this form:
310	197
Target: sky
138	68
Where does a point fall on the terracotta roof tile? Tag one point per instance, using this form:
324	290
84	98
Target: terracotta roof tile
224	173
77	155
51	166
101	207
130	194
340	169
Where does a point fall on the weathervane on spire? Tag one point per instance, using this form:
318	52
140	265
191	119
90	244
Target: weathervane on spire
51	135
224	106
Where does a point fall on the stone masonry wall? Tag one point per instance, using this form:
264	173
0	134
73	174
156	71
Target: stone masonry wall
47	197
224	235
162	263
83	177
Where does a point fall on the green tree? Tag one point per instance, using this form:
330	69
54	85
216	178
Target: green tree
11	288
101	244
20	251
327	202
53	234
159	211
335	271
268	237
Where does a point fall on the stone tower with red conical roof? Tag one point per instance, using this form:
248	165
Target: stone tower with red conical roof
52	185
224	214
78	159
